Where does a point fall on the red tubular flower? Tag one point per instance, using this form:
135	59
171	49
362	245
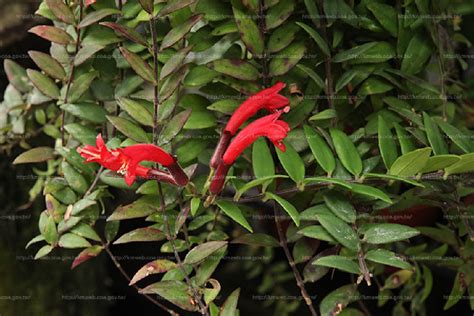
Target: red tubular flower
268	99
126	161
269	126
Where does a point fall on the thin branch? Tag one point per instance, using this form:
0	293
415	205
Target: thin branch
72	70
262	27
374	181
94	183
127	277
328	67
291	262
156	104
170	238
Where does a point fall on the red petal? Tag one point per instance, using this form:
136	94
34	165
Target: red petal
146	152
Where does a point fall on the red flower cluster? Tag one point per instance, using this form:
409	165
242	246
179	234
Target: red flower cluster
268	99
126	161
269	126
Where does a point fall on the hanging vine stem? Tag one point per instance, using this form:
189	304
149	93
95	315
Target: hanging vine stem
127	277
121	73
72	70
328	66
291	262
170	238
156	91
442	71
262	27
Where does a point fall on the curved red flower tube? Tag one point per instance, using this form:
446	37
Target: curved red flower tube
268	99
126	161
268	126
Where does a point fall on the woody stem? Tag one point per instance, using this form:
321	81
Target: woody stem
171	238
291	262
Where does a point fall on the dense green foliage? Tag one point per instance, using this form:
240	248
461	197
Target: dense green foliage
378	145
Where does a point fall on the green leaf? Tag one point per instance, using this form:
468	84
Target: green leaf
48	64
346	78
317	38
466	164
174	126
47	228
86	52
387	233
387	145
16	75
456	293
338	229
338	262
129	129
440	162
257	240
262	161
86	254
293	54
141	234
84	134
96	16
234	212
147	5
386	15
352	53
35	155
370	191
394	178
404	139
410	163
317	232
287	206
136	110
459	138
140	66
292	163
200	120
43	84
278	14
338	299
264	181
176	292
199	75
137	209
172	83
61	11
209	265
324	115
230	305
72	241
174	5
44	251
340	206
346	151
90	112
282	37
52	34
226	106
434	136
74	178
236	68
178	32
320	149
248	29
126	32
373	86
326	180
201	252
80	85
418	52
174	62
387	257
316	78
154	267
